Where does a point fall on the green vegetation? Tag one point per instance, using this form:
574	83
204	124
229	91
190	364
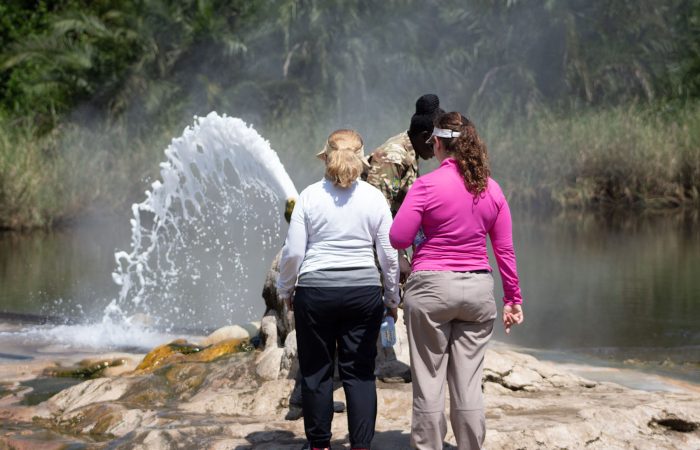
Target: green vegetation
583	103
632	157
54	178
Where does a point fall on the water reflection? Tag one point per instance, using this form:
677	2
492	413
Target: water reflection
617	284
65	272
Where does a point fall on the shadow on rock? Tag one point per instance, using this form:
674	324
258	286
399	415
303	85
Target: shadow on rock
392	440
272	439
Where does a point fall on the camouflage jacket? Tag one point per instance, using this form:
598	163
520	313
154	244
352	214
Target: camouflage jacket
393	169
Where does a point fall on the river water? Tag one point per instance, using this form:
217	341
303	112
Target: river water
617	289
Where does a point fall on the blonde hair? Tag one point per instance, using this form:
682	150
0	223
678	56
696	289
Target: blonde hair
343	167
342	155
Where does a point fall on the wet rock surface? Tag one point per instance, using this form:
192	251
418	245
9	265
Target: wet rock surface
87	368
183	351
225	403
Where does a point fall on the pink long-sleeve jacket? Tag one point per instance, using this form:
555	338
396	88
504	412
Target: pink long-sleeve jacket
449	226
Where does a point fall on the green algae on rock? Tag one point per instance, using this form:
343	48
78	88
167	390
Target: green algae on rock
4	392
181	351
85	369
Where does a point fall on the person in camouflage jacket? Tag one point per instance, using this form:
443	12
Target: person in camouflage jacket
394	164
393	169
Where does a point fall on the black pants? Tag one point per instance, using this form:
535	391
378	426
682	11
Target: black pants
349	318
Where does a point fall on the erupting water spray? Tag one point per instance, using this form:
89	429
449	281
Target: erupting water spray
205	234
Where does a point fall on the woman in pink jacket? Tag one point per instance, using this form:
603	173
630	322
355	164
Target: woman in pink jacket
449	300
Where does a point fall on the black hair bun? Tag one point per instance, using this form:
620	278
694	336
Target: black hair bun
427	108
427	104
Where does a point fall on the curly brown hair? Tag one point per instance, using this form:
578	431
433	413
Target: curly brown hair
468	150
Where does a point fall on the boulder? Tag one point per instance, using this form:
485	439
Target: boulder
240	332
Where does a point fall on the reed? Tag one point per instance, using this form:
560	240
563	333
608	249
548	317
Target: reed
633	157
72	172
21	163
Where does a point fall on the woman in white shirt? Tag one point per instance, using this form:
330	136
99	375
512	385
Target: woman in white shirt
328	276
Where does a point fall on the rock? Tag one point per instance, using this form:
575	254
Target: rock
497	364
7	389
129	365
491	388
264	401
268	330
88	392
240	332
106	419
522	378
269	292
85	369
148	392
289	366
168	353
269	399
224	403
38	440
185	379
269	362
181	351
157	440
273	305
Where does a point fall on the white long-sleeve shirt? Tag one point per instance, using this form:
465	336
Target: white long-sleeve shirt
336	228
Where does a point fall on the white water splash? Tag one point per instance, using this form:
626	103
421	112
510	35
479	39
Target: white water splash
203	239
96	337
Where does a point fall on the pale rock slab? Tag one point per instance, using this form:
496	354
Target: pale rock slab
245	331
86	393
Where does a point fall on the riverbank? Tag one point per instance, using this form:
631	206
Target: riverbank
225	404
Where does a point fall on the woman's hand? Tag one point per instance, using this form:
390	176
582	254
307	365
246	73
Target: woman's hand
393	312
512	315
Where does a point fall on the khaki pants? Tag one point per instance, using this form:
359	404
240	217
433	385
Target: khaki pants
449	316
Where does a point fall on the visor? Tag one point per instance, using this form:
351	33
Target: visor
443	133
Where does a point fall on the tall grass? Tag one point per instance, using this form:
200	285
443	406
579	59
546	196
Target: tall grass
70	173
20	161
635	157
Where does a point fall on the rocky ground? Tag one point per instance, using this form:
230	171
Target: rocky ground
183	397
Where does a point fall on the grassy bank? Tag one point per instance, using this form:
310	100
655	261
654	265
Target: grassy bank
636	157
73	171
631	157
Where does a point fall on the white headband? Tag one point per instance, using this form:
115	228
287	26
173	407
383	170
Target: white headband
443	133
